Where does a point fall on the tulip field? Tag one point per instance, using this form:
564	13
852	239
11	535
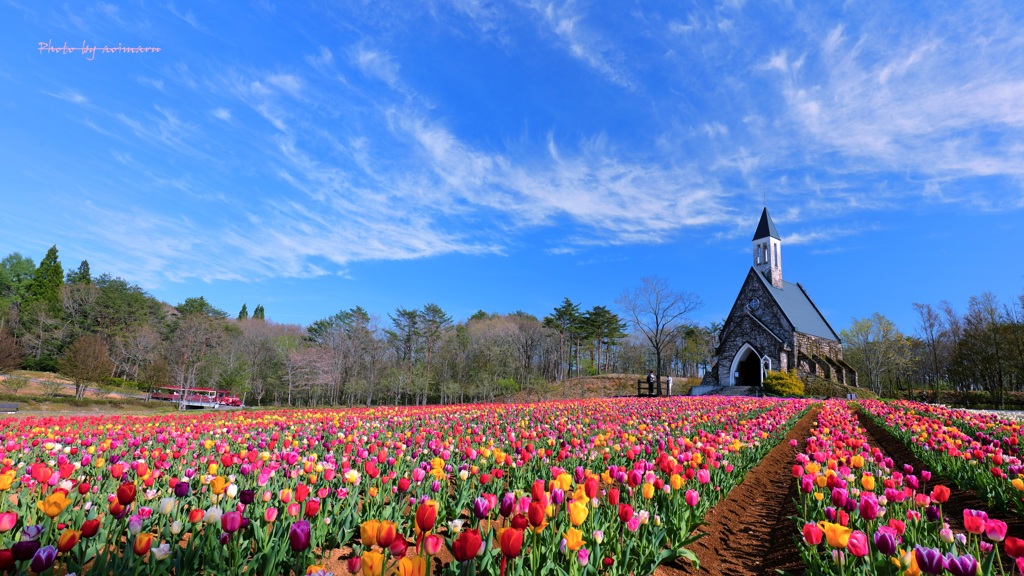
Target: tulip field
862	513
572	488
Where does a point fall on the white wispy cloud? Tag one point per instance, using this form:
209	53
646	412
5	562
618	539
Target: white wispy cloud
376	64
565	20
916	100
222	113
72	96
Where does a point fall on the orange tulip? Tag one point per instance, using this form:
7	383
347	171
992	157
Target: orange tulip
143	542
373	563
837	535
68	539
412	566
368	532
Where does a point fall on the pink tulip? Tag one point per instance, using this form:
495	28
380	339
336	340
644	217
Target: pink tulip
995	530
692	498
858	545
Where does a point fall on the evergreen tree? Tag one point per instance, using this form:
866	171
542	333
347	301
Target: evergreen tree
243	314
47	281
193	306
565	321
258	313
80	276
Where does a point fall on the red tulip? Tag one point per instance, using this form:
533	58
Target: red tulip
90	528
519	522
940	494
467	545
398	546
126	494
812	534
625	512
535	514
426	516
1014	547
312	507
511	541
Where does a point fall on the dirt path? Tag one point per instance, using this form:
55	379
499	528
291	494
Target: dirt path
750	532
959	500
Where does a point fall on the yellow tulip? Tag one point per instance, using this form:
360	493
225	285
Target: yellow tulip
577	512
6	479
564	481
838	536
867	482
857	461
54	504
1016	482
820	481
218	485
676	481
573	539
648	490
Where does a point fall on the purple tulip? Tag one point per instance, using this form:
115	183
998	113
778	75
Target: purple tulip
839	497
965	565
25	549
298	535
247	497
830	514
579	475
181	489
32	532
930	560
43	559
885	542
481	508
508	502
557	496
932	514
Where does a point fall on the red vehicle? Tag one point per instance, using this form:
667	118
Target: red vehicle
196	396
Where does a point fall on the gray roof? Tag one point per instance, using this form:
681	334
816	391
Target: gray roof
799	309
766	227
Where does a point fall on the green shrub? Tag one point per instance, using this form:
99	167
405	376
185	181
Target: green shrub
821	388
783	383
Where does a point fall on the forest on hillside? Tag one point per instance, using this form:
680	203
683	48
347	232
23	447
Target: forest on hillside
107	330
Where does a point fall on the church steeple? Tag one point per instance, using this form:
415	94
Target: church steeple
768	250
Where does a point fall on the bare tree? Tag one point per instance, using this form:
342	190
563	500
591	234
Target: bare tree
659	313
11	353
931	334
189	349
86	361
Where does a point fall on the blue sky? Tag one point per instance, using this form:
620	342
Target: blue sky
500	156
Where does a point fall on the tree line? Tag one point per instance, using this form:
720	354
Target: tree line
978	350
107	330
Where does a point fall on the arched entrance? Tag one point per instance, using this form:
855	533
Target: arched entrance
746	367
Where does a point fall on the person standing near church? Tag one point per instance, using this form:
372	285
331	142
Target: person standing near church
668	382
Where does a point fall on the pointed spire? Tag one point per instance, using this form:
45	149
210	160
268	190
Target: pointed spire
766	228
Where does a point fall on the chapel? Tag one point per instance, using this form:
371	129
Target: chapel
774	325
